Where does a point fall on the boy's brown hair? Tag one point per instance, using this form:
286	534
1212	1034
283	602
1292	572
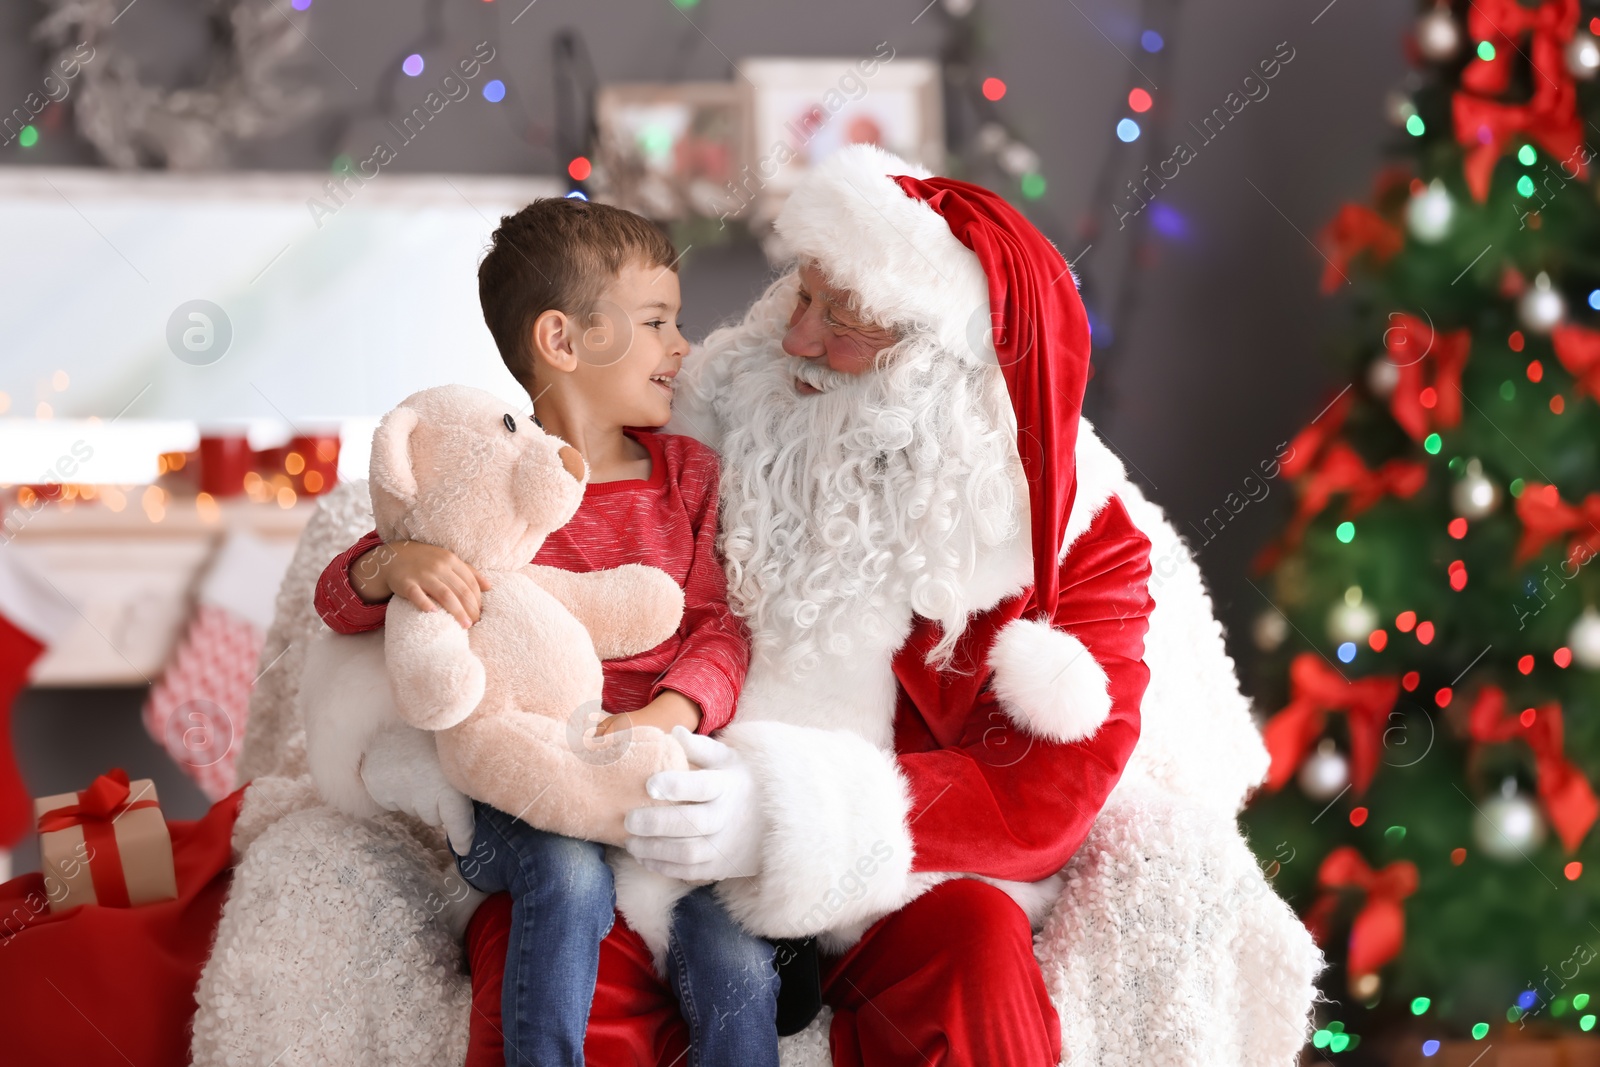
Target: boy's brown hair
558	253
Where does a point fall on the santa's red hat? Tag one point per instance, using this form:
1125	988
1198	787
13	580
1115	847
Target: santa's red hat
958	259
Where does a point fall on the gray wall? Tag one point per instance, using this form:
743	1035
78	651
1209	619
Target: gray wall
1221	358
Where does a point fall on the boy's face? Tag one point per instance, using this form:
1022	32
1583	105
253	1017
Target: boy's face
629	348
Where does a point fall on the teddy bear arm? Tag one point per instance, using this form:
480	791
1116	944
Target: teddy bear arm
436	678
627	610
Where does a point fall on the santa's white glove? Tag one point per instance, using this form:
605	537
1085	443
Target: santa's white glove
401	770
715	825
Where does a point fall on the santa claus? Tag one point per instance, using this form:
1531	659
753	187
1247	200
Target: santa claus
947	605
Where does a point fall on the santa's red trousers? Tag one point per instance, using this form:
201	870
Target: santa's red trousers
950	979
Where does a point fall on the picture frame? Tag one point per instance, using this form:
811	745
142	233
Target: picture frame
799	111
670	151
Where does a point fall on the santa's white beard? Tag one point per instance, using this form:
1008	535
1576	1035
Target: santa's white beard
841	509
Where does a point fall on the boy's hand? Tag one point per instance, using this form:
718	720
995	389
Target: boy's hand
669	709
428	576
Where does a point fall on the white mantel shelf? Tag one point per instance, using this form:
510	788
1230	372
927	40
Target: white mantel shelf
132	581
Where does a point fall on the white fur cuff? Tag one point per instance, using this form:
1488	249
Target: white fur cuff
1048	682
838	849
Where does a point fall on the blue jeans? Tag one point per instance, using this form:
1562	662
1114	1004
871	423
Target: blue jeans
727	985
563	906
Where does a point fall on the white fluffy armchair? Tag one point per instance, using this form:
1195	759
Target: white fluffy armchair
340	941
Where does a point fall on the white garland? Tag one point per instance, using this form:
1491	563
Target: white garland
243	97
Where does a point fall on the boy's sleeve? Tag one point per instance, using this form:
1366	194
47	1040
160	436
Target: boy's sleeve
715	653
336	599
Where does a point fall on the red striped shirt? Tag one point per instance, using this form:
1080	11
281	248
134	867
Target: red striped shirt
668	520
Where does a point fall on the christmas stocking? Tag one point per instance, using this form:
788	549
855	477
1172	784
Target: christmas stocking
32	616
197	710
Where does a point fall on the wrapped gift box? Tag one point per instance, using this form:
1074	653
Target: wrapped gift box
107	844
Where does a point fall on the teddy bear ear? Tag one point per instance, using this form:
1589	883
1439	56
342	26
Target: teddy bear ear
390	470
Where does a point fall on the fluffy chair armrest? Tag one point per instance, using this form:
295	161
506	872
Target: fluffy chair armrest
1169	946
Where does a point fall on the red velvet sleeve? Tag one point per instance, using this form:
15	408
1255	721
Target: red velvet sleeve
336	599
982	808
715	653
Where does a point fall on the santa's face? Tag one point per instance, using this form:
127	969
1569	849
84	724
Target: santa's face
824	334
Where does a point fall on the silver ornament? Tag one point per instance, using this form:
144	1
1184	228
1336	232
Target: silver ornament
1351	620
1429	212
1438	36
1583	56
1584	640
1541	307
1325	772
1474	496
1382	376
1509	826
1270	630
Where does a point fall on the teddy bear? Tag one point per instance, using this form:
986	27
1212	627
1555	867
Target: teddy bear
511	703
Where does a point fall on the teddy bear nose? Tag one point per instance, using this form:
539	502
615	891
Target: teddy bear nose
572	461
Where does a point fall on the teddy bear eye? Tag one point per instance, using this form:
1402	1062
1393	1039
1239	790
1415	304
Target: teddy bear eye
511	424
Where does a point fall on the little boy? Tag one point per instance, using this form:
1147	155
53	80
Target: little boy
581	299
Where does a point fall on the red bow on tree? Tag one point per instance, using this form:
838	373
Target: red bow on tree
1379	931
1430	366
1306	446
1502	23
1550	116
1578	349
1342	470
1356	229
1546	517
1314	690
1568	800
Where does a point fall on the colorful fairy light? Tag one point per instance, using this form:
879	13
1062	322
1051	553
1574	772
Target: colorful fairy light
1425	632
1508	390
1419	1005
1573	871
1486	51
1443	697
1139	100
1480	1031
1535	371
1527	155
1430	1047
1410	680
1347	651
28	137
1033	186
1563	657
1358	816
579	169
1457	528
412	65
1458	856
1415	126
1345	531
1515	341
1405	621
1127	131
1525	664
1432	443
494	91
1151	41
993	88
1378	640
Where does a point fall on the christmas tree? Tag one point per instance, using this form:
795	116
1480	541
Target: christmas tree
1431	661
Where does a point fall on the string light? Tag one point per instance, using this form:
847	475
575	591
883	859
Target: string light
580	169
1525	664
1139	100
1152	42
1458	856
1419	1005
1033	186
1443	697
1430	1047
993	88
1563	657
1415	126
28	137
1345	531
1486	51
1358	816
1508	390
1515	341
413	65
1457	528
1480	1031
1594	299
1127	131
1432	443
1347	651
494	91
1573	870
1410	680
1405	621
1425	632
1378	640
